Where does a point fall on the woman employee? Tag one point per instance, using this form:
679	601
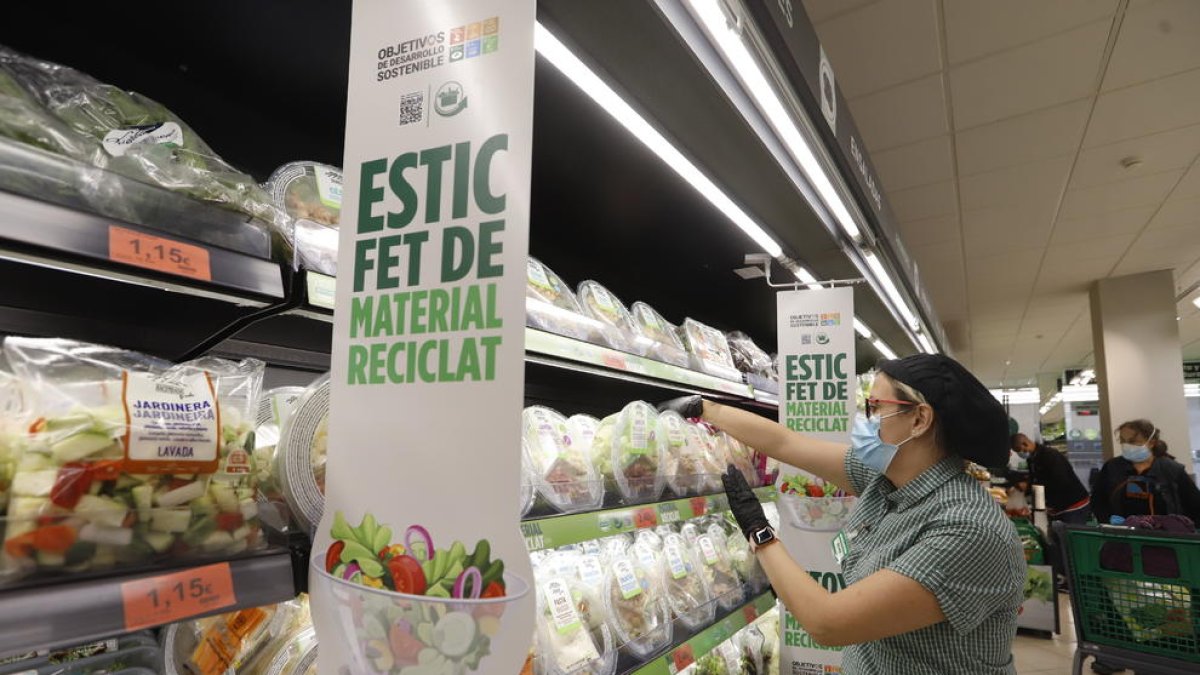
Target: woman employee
935	570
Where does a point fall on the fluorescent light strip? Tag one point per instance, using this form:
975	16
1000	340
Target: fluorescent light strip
743	63
805	276
926	345
1018	396
1196	301
862	328
591	84
884	349
890	290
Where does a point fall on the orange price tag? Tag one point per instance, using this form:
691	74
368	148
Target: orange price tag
158	254
683	657
614	361
750	612
168	598
699	506
646	517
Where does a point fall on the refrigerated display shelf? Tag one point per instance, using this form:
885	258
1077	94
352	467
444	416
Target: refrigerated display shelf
686	652
573	528
72	612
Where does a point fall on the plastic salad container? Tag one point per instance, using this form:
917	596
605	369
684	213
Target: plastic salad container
563	472
745	563
740	456
665	343
527	479
294	653
709	350
600	304
61	660
750	358
409	602
602	452
687	592
637	612
689	467
274	407
639	450
709	549
234	641
14	425
300	462
311	195
550	305
130	459
565	643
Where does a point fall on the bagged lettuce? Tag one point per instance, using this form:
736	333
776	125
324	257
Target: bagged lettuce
24	119
131	459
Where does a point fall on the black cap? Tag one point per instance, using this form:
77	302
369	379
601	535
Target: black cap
973	423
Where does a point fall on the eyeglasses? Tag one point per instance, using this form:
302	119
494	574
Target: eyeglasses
872	405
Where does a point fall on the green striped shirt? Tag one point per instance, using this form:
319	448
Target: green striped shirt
947	533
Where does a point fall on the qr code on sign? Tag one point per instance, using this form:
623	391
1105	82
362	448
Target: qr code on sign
412	108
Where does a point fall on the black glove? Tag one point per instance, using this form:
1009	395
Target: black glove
745	506
688	406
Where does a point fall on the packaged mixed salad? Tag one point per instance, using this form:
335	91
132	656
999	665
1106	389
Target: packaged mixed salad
600	304
638	614
565	643
709	548
687	592
550	305
709	350
274	407
563	471
300	461
602	450
740	456
639	449
25	120
527	479
311	195
665	343
750	358
241	641
130	459
744	562
690	468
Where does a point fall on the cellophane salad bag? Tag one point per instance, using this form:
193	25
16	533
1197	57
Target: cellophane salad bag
238	641
131	459
602	305
709	349
564	473
639	450
25	120
665	343
566	642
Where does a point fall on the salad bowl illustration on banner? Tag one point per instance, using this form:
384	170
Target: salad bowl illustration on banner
815	504
406	607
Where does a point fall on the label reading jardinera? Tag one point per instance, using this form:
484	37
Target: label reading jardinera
427	376
173	424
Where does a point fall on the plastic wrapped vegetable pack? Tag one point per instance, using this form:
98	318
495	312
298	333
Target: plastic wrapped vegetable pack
311	195
527	479
687	593
690	468
25	120
565	643
709	349
745	563
639	449
274	407
749	357
14	425
600	304
550	305
131	459
602	450
240	641
636	609
715	565
740	456
140	138
300	461
563	471
665	343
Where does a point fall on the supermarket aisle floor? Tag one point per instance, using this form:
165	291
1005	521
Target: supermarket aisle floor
1039	656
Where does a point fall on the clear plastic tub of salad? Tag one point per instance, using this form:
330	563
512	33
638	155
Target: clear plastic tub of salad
130	460
602	453
234	641
563	472
550	305
300	461
294	653
709	350
274	407
637	611
639	449
310	194
566	645
527	479
686	589
740	456
600	304
665	343
709	549
689	469
402	601
745	563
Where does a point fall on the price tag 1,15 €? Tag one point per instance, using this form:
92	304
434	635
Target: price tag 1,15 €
168	598
158	253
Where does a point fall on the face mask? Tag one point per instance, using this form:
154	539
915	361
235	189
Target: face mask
868	447
1135	453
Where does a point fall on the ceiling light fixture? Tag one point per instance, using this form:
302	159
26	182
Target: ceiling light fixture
726	35
862	328
570	65
926	345
884	349
1196	301
890	290
807	278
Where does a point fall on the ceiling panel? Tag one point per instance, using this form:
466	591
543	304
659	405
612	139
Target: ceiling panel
882	44
921	163
926	201
1143	191
1089	249
1157	39
1176	212
819	10
903	114
1178	237
936	230
1160	105
1175	149
1053	132
1147	259
1005	328
981	243
1073	277
1190	185
1039	75
937	256
1109	223
1015	220
978	27
1035	185
1040	309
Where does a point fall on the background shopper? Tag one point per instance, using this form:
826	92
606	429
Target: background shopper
1144	480
1066	497
934	569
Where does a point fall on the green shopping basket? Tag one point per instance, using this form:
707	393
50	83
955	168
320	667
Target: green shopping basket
1135	595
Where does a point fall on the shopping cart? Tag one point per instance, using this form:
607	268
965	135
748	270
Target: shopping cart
1135	595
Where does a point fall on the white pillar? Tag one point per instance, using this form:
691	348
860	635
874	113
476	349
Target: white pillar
1139	363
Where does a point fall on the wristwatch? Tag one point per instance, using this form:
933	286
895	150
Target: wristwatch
762	537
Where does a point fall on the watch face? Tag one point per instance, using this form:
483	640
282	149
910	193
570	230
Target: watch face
763	536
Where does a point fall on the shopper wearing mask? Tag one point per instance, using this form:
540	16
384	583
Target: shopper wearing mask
1144	480
1066	497
934	569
